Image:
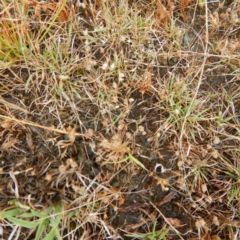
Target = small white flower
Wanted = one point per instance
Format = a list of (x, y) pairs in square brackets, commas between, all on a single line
[(114, 85), (177, 111), (85, 32), (122, 38), (105, 66), (112, 67), (63, 77), (121, 77)]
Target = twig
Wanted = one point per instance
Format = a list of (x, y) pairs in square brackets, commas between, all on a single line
[(43, 127)]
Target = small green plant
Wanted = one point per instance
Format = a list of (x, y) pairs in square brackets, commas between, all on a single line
[(178, 105), (201, 3), (233, 193), (199, 175), (46, 223), (16, 39)]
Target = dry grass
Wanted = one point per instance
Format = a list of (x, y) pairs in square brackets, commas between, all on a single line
[(119, 119)]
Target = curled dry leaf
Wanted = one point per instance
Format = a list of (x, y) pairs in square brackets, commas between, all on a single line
[(147, 78), (215, 220), (71, 134)]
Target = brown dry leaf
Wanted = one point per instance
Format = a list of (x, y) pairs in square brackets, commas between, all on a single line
[(147, 78), (215, 237), (167, 199), (174, 222), (184, 4), (29, 141), (63, 15), (121, 200), (132, 227), (105, 122), (104, 196), (5, 124), (163, 14)]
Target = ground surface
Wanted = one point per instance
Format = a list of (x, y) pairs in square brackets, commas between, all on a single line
[(119, 119)]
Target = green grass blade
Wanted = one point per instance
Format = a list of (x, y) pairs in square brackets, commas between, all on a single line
[(38, 214), (23, 223), (27, 215), (138, 236), (10, 213), (51, 235), (137, 161), (54, 19), (55, 224), (41, 227), (71, 214)]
